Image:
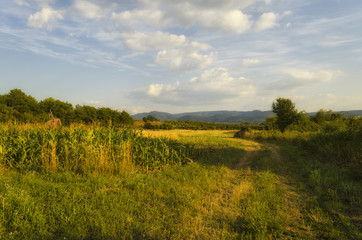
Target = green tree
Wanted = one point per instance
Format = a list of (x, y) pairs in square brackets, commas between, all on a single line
[(107, 115), (271, 123), (150, 118), (148, 125), (85, 114), (125, 118), (26, 107), (303, 123), (62, 110), (7, 113), (285, 111), (3, 99)]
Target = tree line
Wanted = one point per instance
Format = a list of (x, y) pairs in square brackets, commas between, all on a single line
[(20, 107), (191, 125), (287, 118)]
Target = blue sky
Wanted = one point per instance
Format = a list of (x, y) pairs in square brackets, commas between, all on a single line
[(181, 56)]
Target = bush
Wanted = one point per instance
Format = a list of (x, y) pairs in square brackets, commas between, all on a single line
[(341, 148)]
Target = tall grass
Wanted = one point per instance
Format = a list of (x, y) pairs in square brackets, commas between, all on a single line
[(86, 149), (287, 136), (341, 148)]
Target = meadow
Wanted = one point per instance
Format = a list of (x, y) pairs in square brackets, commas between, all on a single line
[(92, 182)]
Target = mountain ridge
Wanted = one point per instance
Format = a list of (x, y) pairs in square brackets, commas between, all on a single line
[(223, 116)]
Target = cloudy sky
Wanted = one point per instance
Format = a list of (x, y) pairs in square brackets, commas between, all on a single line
[(181, 56)]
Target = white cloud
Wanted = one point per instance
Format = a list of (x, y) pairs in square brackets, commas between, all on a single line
[(44, 3), (212, 87), (313, 103), (22, 3), (147, 16), (88, 9), (287, 13), (154, 41), (319, 76), (266, 21), (44, 18), (175, 52), (250, 61), (294, 78), (186, 58), (202, 4), (93, 102), (219, 80), (224, 15), (233, 21), (155, 90)]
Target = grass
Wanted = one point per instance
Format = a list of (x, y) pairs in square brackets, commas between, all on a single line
[(233, 189)]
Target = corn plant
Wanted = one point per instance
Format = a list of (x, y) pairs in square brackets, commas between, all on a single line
[(86, 149)]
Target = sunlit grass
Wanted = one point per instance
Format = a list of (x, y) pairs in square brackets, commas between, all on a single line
[(177, 134), (86, 149), (233, 189)]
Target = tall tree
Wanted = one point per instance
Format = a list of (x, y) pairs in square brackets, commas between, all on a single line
[(285, 111), (26, 107), (85, 114), (125, 118), (107, 115), (62, 110)]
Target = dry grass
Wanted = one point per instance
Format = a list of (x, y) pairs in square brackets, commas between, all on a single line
[(177, 134)]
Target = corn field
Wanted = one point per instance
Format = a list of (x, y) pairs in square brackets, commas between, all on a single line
[(86, 149)]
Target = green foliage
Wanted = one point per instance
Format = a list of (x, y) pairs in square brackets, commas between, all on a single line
[(303, 123), (22, 107), (88, 150), (125, 118), (148, 125), (166, 126), (150, 118), (340, 148), (7, 113), (338, 143), (107, 116), (323, 116), (329, 196), (275, 191), (59, 109), (17, 106), (21, 102), (86, 114), (285, 112), (194, 125), (271, 123)]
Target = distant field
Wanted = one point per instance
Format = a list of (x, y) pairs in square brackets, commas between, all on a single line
[(231, 188), (178, 134)]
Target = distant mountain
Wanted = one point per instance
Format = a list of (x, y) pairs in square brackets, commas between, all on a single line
[(353, 113), (255, 116), (350, 113), (211, 116)]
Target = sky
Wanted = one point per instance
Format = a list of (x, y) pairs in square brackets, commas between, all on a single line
[(184, 56)]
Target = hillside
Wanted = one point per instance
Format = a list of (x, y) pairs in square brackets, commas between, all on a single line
[(255, 116), (211, 116)]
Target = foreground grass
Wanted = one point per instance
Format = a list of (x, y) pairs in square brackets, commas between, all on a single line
[(235, 189), (176, 203)]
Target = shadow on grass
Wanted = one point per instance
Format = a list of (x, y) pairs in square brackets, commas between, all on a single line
[(327, 199), (231, 157)]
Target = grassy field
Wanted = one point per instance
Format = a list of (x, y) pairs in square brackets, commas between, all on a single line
[(232, 189)]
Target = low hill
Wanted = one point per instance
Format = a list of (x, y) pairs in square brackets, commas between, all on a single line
[(211, 116), (255, 116)]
